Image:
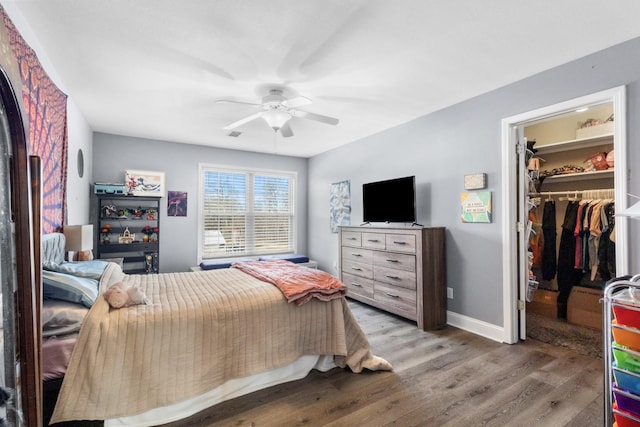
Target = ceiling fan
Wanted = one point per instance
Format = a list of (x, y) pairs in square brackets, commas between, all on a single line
[(277, 110)]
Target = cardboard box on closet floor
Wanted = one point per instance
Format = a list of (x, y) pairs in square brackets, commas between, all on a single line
[(584, 306)]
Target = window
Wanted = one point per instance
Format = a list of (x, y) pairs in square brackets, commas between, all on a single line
[(245, 212)]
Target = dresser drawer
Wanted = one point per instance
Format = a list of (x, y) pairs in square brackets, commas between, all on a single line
[(401, 242), (403, 300), (352, 238), (357, 269), (405, 279), (358, 285), (397, 261), (363, 256), (373, 240)]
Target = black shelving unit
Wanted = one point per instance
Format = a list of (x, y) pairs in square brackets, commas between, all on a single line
[(120, 221)]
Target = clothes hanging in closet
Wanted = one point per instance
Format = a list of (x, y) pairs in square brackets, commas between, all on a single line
[(586, 252), (549, 236), (567, 275), (536, 240), (606, 246)]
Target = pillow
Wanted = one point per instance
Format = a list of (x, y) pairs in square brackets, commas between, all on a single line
[(213, 264), (52, 248), (92, 269), (65, 287), (295, 258), (61, 317)]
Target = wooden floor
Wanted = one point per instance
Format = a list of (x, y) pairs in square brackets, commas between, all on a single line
[(441, 378)]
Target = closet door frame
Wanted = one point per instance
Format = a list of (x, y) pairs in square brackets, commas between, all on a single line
[(512, 277), (25, 369)]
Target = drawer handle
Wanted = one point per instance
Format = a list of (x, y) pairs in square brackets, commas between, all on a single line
[(351, 238), (356, 284), (358, 255), (373, 240), (392, 260), (356, 268), (399, 243), (392, 277), (392, 295)]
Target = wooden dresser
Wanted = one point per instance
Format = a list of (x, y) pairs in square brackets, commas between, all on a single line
[(401, 270)]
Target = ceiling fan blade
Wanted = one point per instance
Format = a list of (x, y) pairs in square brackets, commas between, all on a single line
[(243, 121), (286, 131), (298, 101), (313, 116), (230, 101)]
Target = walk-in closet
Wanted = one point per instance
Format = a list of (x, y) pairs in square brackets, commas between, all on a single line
[(570, 161)]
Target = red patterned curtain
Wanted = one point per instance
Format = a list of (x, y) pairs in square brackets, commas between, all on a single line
[(46, 108)]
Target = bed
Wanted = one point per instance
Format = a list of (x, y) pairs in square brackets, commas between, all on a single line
[(204, 337), (67, 296)]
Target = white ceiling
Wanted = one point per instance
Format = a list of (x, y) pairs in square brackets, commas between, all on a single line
[(154, 68)]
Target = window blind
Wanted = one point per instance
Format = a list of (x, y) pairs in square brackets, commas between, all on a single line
[(246, 213)]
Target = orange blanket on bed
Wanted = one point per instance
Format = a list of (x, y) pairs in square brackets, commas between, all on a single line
[(298, 284)]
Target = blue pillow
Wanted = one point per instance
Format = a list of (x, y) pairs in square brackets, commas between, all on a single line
[(213, 264), (92, 269), (295, 258), (65, 287)]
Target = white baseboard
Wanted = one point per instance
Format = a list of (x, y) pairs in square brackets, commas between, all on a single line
[(476, 326)]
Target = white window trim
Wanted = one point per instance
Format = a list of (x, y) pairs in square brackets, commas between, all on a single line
[(232, 168)]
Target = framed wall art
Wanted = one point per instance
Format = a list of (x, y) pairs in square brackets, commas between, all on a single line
[(177, 203), (476, 181), (340, 205), (476, 206), (144, 183)]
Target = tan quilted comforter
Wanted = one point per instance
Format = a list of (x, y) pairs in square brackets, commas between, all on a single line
[(200, 330)]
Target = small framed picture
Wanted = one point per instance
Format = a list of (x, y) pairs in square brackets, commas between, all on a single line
[(144, 183), (476, 181), (476, 206)]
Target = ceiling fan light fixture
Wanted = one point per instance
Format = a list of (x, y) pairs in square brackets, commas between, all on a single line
[(276, 118)]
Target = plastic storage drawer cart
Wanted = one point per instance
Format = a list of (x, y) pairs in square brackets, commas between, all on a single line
[(621, 330)]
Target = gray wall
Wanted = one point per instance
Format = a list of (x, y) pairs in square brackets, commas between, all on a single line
[(440, 148), (113, 154)]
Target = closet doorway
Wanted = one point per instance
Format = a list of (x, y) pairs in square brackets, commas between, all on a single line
[(554, 129)]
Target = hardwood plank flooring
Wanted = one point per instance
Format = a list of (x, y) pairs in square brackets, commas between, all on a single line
[(447, 377)]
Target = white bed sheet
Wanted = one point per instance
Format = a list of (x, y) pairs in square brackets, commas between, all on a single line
[(229, 390)]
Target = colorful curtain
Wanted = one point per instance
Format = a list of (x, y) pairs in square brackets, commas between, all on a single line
[(46, 108)]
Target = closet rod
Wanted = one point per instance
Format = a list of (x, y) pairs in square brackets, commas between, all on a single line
[(569, 192)]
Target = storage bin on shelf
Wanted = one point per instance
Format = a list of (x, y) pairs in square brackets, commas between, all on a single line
[(627, 380), (626, 308), (627, 402), (626, 359), (625, 336), (623, 418)]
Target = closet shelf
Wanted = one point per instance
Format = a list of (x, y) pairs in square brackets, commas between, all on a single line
[(575, 144), (579, 176)]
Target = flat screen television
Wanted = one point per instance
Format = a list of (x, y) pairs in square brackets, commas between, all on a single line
[(392, 200)]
